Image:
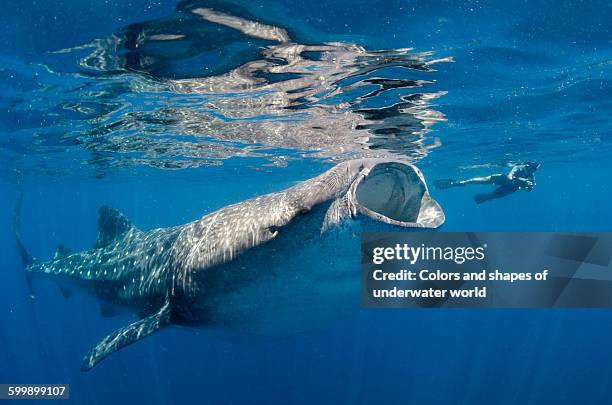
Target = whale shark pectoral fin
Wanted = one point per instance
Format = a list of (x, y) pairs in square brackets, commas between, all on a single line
[(112, 226), (342, 208), (127, 335)]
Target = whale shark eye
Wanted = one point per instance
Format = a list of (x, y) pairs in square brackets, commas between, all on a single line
[(273, 229), (303, 211)]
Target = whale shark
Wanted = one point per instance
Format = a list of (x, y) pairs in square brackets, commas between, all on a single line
[(238, 265)]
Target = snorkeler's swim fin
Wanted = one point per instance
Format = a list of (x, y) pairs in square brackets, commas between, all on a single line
[(444, 183)]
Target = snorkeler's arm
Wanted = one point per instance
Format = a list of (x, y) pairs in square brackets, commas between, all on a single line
[(498, 179), (476, 180), (492, 179)]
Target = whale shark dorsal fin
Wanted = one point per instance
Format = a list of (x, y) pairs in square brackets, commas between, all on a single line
[(126, 336), (112, 226), (61, 251)]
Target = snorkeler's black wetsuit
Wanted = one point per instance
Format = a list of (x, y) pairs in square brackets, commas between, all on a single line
[(520, 177)]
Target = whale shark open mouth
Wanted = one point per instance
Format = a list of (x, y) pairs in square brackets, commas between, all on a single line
[(396, 193)]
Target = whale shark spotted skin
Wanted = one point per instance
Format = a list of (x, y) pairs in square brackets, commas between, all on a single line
[(208, 272)]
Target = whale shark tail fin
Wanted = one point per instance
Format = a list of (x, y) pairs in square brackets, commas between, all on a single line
[(26, 258), (126, 336)]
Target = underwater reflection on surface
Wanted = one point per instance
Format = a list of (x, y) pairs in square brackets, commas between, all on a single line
[(203, 85)]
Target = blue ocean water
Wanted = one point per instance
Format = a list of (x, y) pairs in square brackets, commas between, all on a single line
[(166, 113)]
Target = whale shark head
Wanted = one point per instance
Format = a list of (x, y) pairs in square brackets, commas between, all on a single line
[(391, 192)]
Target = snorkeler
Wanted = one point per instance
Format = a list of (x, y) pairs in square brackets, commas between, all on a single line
[(520, 177)]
